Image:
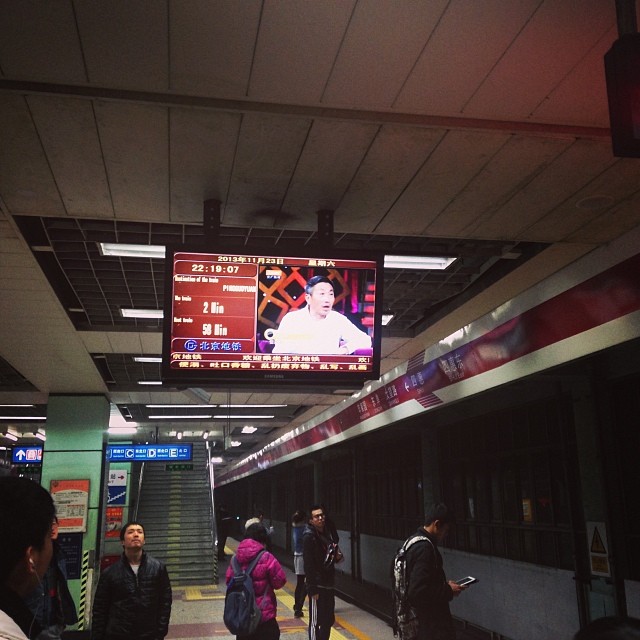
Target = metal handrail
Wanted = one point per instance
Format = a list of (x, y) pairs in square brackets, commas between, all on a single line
[(135, 512), (214, 527)]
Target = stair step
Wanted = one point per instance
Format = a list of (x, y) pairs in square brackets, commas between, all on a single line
[(175, 508)]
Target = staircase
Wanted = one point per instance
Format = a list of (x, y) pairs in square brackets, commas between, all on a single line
[(174, 508)]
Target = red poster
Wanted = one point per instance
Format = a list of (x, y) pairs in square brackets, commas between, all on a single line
[(114, 521), (72, 501)]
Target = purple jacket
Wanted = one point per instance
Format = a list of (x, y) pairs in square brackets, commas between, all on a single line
[(267, 576)]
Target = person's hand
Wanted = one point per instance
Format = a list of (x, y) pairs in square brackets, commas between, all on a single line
[(456, 588), (339, 555)]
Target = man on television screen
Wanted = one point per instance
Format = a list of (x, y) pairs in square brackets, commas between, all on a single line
[(317, 328)]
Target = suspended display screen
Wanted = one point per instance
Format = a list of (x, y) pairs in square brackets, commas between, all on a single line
[(271, 318)]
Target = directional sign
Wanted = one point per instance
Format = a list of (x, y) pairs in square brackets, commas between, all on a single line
[(180, 467), (28, 455), (149, 452), (117, 486)]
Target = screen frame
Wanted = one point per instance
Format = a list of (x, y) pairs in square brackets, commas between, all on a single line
[(268, 379)]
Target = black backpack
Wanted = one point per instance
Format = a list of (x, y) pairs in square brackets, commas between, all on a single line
[(242, 615), (403, 616)]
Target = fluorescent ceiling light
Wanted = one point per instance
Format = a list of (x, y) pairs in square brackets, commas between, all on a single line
[(17, 405), (131, 250), (179, 435), (250, 406), (217, 460), (144, 314), (147, 359), (387, 318), (183, 417), (205, 434), (417, 262), (180, 406), (223, 416), (235, 443), (40, 436), (249, 429), (10, 436), (41, 418), (149, 381)]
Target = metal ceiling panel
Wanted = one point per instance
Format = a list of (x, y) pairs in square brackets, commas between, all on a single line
[(30, 186), (135, 146), (67, 130), (125, 44), (212, 46), (371, 68), (302, 38), (386, 170), (555, 40), (268, 151), (515, 164), (330, 158), (555, 182), (471, 36), (202, 148), (580, 98), (618, 182), (40, 42), (441, 178)]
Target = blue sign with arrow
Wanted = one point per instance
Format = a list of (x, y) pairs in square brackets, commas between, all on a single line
[(26, 455)]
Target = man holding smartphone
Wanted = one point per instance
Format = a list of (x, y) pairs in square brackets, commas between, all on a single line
[(429, 592)]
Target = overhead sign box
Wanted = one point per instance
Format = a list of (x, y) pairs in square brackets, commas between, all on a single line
[(149, 452), (27, 455)]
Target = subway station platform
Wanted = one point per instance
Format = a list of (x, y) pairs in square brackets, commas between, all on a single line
[(197, 613)]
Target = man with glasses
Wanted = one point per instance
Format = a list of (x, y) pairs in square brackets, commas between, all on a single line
[(320, 553)]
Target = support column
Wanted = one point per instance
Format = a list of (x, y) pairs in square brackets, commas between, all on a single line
[(598, 590), (74, 450)]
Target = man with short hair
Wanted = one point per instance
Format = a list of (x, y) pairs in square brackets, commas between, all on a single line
[(317, 328), (429, 592), (320, 553), (133, 597), (26, 515)]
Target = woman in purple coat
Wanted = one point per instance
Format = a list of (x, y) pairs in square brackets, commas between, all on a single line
[(267, 576)]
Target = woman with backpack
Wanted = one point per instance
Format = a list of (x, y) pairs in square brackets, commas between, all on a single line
[(266, 576)]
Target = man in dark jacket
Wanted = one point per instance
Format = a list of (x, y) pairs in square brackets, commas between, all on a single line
[(51, 603), (429, 592), (133, 597), (320, 552)]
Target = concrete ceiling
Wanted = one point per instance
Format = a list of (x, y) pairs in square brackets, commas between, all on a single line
[(471, 124)]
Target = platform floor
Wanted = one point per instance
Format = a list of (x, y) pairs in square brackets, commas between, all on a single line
[(196, 614)]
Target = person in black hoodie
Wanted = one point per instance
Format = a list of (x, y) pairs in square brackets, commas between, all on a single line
[(51, 603), (133, 597), (26, 515), (429, 592), (320, 553)]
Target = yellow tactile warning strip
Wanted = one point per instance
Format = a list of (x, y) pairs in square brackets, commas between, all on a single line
[(287, 623)]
